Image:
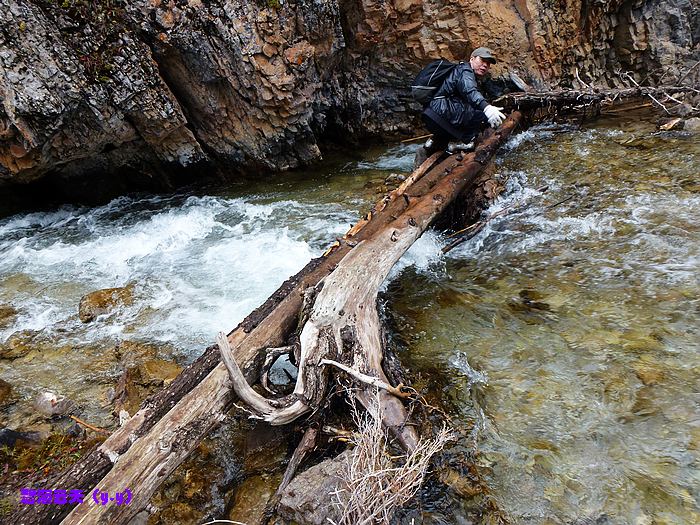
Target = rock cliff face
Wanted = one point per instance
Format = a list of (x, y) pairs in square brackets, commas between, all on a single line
[(141, 89)]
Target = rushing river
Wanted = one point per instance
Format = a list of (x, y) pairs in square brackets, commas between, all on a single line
[(566, 332)]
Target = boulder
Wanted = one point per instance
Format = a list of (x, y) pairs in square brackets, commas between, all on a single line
[(104, 301), (692, 124), (307, 498)]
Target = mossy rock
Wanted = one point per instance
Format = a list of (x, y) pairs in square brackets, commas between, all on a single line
[(104, 301)]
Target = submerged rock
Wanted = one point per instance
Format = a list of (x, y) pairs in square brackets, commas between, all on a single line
[(18, 344), (178, 513), (104, 301), (463, 485), (8, 314), (193, 490), (138, 382), (5, 391), (251, 498), (131, 353)]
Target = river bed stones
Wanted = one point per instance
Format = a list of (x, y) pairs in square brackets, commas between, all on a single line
[(104, 301), (19, 344), (24, 342)]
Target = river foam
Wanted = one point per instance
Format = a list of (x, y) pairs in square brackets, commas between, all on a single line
[(199, 264)]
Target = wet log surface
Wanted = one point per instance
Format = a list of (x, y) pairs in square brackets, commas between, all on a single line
[(142, 453)]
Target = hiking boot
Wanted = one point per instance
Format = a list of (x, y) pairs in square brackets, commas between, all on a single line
[(454, 147)]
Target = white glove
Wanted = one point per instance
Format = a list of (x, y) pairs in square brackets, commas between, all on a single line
[(494, 115)]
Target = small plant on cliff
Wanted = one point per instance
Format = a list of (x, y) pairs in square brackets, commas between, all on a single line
[(101, 22)]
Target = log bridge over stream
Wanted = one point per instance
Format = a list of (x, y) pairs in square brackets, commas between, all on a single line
[(325, 316)]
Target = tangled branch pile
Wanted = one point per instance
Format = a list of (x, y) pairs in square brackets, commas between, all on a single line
[(681, 97), (375, 484)]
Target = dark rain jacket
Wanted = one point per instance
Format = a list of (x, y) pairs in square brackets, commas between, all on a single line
[(457, 100)]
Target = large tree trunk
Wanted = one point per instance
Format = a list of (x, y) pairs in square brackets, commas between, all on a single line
[(159, 437), (278, 314)]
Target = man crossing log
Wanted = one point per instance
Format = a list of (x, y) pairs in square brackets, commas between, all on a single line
[(342, 331)]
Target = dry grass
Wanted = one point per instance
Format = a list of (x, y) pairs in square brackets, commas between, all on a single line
[(374, 483)]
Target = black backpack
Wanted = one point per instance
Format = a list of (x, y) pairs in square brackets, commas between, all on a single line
[(430, 79)]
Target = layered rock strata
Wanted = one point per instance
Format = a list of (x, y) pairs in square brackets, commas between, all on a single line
[(143, 89)]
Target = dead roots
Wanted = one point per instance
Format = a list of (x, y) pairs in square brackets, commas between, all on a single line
[(374, 484)]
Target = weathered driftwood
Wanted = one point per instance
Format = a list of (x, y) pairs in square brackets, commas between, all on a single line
[(280, 313), (158, 438), (575, 99), (344, 323)]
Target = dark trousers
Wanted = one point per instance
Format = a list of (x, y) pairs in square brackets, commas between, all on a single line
[(442, 137)]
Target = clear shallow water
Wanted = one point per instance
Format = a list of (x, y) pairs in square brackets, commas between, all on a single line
[(569, 334), (585, 320)]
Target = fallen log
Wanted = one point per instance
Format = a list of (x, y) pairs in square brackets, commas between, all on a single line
[(158, 438), (279, 311), (577, 99)]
